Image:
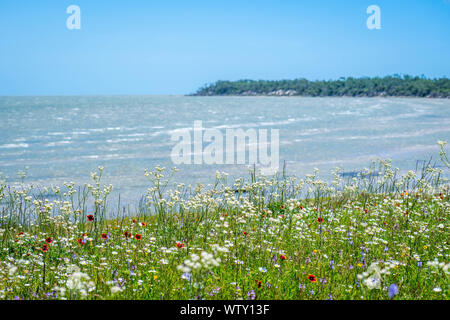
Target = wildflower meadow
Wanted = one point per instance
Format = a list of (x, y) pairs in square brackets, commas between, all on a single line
[(378, 235)]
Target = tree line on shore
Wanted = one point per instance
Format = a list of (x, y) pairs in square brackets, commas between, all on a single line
[(395, 86)]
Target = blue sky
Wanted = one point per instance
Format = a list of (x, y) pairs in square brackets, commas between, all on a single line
[(174, 47)]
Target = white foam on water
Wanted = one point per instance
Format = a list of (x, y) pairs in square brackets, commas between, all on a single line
[(58, 143), (56, 133), (14, 145), (124, 140), (132, 135)]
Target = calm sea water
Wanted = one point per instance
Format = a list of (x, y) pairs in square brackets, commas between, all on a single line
[(64, 138)]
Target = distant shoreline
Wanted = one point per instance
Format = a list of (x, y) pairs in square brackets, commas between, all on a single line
[(196, 95), (389, 86), (304, 96)]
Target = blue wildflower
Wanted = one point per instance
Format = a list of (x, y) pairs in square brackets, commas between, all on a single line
[(186, 276), (393, 290)]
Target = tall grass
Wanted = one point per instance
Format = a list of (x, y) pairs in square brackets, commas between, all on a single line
[(378, 235)]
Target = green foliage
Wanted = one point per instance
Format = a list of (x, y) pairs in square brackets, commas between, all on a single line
[(353, 87)]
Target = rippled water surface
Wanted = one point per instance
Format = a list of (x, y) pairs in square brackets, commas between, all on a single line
[(64, 138)]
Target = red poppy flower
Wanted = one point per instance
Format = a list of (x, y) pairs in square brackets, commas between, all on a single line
[(143, 224), (127, 235), (301, 207), (104, 236), (44, 247), (81, 241), (312, 278), (90, 217), (20, 234), (319, 219), (137, 236), (134, 221), (258, 283), (283, 257), (282, 207), (245, 233), (180, 245), (49, 240), (365, 210)]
